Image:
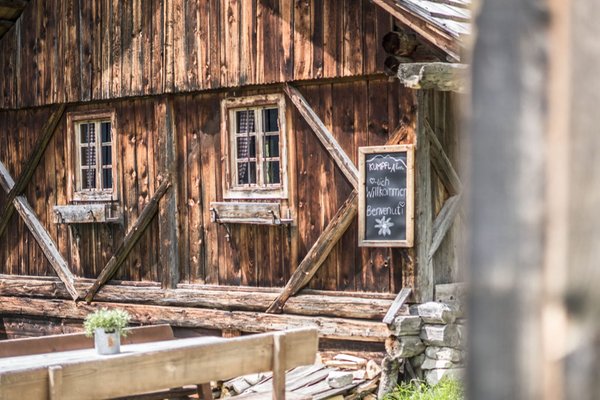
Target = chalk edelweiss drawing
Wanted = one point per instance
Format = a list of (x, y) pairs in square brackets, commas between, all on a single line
[(384, 225)]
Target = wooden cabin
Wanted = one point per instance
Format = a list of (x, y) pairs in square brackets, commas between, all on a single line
[(195, 162)]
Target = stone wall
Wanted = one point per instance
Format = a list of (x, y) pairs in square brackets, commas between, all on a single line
[(428, 344)]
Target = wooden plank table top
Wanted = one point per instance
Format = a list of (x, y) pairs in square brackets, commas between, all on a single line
[(43, 361)]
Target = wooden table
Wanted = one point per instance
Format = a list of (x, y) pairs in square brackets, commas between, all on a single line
[(140, 368)]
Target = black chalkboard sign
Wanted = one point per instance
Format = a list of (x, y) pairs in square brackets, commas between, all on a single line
[(386, 196)]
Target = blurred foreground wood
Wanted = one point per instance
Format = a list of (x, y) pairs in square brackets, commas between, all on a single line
[(535, 188)]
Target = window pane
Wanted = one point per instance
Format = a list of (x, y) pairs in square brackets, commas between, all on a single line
[(105, 132), (88, 156), (246, 173), (107, 178), (88, 133), (246, 146), (88, 178), (106, 155), (272, 172), (245, 121), (83, 129), (272, 146), (270, 120)]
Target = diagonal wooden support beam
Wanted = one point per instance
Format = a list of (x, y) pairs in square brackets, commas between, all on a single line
[(443, 222), (40, 234), (396, 305), (318, 252), (129, 241), (331, 145), (31, 165), (441, 163)]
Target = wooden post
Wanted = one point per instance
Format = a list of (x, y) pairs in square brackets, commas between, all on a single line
[(279, 366), (55, 382), (424, 280), (507, 144), (168, 220)]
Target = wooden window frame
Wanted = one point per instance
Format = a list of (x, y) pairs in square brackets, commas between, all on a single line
[(75, 193), (260, 190)]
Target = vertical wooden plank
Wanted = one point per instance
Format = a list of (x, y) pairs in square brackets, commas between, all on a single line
[(384, 24), (127, 43), (169, 46), (193, 37), (151, 136), (230, 57), (97, 29), (194, 201), (106, 54), (85, 41), (352, 43), (286, 47), (116, 48), (215, 40), (210, 149), (183, 223), (332, 34), (248, 41), (263, 256), (58, 73), (202, 38), (156, 45), (261, 18), (141, 148), (272, 40), (180, 50), (303, 51), (136, 46), (168, 229), (317, 30), (369, 37)]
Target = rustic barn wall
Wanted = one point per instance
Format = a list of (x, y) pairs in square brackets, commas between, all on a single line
[(69, 50), (359, 112)]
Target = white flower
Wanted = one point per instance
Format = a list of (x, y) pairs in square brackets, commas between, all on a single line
[(384, 225)]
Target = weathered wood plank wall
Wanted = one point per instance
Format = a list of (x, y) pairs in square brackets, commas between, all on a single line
[(69, 51), (360, 112)]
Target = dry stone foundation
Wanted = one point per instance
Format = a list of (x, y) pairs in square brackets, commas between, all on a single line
[(432, 339)]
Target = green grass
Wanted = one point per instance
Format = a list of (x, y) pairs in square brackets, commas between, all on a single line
[(447, 389)]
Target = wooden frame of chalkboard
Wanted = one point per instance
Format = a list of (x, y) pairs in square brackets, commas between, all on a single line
[(386, 196)]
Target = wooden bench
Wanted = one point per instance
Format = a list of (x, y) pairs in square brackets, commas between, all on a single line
[(154, 366)]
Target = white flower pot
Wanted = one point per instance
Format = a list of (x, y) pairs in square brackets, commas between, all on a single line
[(107, 343)]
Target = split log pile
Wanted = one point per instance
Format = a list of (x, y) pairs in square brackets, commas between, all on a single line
[(342, 377), (427, 344)]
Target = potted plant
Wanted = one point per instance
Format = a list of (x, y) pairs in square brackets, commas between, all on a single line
[(107, 327)]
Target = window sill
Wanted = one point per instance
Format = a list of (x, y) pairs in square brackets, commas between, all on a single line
[(87, 214), (247, 213)]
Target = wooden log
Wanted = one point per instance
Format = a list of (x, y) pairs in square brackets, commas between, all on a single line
[(318, 252), (399, 43), (434, 75), (331, 328), (443, 222), (129, 241), (391, 64), (331, 145), (30, 165), (397, 305), (434, 35), (336, 304), (441, 163)]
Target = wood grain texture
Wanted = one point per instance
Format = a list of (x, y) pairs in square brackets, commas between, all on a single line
[(114, 49)]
